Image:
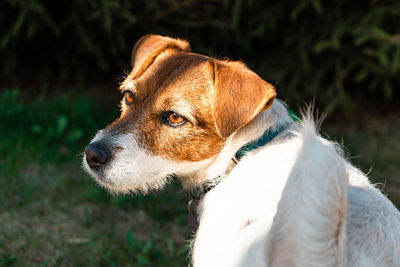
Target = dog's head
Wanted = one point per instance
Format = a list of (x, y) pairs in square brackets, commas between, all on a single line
[(178, 109)]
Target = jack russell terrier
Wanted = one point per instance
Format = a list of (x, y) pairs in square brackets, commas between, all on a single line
[(270, 191)]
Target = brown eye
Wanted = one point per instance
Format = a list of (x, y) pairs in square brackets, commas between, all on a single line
[(173, 119), (129, 97)]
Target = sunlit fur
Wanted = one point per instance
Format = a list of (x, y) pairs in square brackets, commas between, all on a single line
[(296, 202), (293, 202), (133, 169)]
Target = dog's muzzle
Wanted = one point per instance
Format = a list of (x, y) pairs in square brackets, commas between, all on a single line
[(97, 154)]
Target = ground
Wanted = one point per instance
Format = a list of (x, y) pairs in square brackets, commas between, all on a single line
[(53, 214)]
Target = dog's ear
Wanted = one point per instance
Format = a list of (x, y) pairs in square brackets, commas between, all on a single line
[(148, 47), (239, 95)]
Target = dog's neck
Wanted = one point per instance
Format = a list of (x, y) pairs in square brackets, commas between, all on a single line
[(272, 119)]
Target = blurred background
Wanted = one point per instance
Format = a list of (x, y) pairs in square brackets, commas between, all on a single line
[(61, 62)]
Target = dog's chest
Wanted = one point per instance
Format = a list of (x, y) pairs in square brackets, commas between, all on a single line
[(250, 193), (253, 188)]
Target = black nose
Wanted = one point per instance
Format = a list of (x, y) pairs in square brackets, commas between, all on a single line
[(97, 154)]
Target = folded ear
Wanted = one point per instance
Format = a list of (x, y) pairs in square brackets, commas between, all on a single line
[(239, 95), (148, 47)]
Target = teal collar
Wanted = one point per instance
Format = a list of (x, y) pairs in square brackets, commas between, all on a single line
[(264, 139)]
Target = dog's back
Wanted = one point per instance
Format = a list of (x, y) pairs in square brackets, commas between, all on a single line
[(329, 214), (335, 212), (373, 225), (310, 223)]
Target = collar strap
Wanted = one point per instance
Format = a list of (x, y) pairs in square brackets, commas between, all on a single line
[(264, 139), (199, 193)]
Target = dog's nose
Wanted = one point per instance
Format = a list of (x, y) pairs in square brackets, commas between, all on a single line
[(97, 154)]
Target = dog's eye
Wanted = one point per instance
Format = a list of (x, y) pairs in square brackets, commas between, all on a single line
[(129, 97), (173, 119)]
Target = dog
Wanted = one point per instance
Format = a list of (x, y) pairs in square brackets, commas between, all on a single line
[(268, 190)]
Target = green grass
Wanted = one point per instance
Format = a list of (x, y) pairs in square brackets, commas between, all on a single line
[(48, 129), (53, 214)]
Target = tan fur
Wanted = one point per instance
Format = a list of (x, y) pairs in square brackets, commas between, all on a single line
[(240, 95), (149, 47), (295, 201), (166, 77)]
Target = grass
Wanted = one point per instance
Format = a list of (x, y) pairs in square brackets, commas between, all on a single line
[(53, 214)]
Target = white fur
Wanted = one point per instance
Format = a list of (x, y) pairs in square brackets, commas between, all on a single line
[(294, 202), (134, 169)]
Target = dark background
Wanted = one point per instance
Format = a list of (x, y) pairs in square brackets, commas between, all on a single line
[(61, 62), (333, 51)]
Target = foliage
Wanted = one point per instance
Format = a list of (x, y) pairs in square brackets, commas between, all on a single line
[(52, 130), (324, 49)]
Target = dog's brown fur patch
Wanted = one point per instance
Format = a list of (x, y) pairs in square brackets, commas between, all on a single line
[(216, 98)]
